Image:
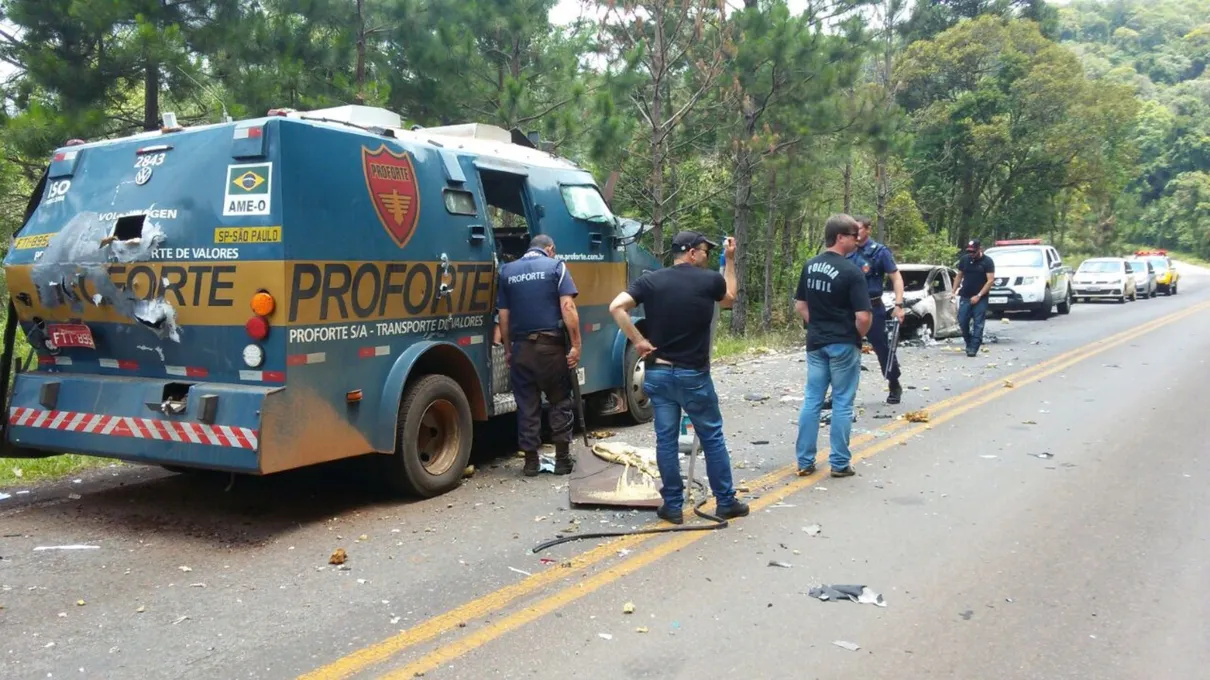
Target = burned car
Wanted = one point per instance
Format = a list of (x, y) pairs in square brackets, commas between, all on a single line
[(929, 302)]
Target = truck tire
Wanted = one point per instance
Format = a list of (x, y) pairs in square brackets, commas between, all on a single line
[(1065, 305), (1043, 312), (638, 404), (433, 440)]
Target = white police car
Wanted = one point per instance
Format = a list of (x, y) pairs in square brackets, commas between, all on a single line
[(1030, 276)]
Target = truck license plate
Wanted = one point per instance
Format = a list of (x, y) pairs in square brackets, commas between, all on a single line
[(998, 300), (70, 335)]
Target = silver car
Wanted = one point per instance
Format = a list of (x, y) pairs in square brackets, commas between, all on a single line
[(1104, 278), (1144, 277)]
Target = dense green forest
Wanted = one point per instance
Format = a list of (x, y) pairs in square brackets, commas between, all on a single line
[(1086, 123)]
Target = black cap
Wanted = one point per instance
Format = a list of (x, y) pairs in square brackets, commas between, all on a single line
[(973, 245), (687, 240)]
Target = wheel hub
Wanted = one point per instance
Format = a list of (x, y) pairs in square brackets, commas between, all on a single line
[(636, 383), (437, 437)]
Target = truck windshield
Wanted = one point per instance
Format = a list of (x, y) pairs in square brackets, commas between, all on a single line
[(585, 202), (1016, 258)]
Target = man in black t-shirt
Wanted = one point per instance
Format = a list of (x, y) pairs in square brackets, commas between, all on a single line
[(833, 299), (976, 272), (678, 309)]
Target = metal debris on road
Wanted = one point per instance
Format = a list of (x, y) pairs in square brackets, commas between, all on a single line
[(628, 608), (1045, 455), (67, 547), (916, 416), (852, 647), (605, 636), (520, 571), (641, 629), (1008, 384), (783, 565), (338, 556), (602, 434), (185, 568), (858, 594), (180, 620), (990, 456), (760, 442), (812, 530)]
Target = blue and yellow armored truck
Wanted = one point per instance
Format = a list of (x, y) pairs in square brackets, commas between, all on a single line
[(266, 294)]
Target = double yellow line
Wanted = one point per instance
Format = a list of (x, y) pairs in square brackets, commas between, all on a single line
[(900, 431)]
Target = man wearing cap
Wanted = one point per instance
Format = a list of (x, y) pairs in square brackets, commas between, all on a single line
[(976, 272), (833, 300), (876, 263), (536, 301), (678, 309)]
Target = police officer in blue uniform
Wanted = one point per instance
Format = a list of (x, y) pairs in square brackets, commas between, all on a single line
[(536, 302), (876, 262)]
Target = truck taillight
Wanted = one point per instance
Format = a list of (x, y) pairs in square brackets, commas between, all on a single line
[(262, 305), (258, 328)]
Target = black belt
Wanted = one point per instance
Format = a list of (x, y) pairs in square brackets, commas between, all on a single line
[(876, 301), (544, 338)]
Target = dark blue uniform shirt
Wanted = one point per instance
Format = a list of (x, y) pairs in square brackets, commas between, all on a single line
[(875, 262), (530, 288)]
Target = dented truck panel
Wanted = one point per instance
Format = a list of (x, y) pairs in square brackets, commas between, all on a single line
[(134, 277)]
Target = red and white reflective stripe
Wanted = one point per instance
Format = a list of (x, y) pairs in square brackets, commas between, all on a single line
[(66, 155), (139, 428), (46, 360), (468, 340), (371, 352), (122, 364), (304, 359), (263, 376), (592, 327), (250, 132), (187, 371)]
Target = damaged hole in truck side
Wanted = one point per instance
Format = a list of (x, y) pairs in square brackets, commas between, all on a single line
[(173, 400), (129, 228)]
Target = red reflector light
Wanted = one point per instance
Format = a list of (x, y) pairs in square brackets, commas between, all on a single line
[(258, 328), (464, 341)]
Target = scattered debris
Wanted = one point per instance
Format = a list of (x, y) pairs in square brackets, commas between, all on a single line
[(782, 565), (1008, 384), (469, 471), (641, 629), (141, 609), (780, 504), (858, 594), (67, 547), (79, 603), (185, 568), (791, 398), (756, 397), (520, 571), (812, 530), (760, 442), (1045, 455), (966, 615), (605, 636), (602, 434), (917, 416), (989, 456), (5, 496), (1029, 422), (628, 608), (852, 647), (338, 556)]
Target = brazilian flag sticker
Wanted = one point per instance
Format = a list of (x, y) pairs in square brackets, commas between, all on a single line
[(248, 190)]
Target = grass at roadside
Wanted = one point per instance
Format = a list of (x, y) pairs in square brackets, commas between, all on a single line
[(728, 346), (18, 471)]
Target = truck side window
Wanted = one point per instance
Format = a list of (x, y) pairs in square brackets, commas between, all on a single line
[(459, 202), (506, 210), (584, 202)]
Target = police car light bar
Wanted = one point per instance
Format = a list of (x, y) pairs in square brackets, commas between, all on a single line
[(1021, 242), (1163, 253)]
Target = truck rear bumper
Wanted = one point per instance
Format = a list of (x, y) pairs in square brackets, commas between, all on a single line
[(113, 417)]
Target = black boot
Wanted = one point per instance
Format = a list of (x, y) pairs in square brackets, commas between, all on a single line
[(896, 393), (531, 464), (563, 461)]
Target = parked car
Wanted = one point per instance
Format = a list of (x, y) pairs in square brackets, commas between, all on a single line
[(1029, 276), (1105, 278), (1167, 277), (1145, 283), (929, 303)]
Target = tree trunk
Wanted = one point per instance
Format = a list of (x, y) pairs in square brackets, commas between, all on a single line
[(360, 97), (766, 317), (657, 133), (848, 185), (151, 96), (882, 189), (743, 209)]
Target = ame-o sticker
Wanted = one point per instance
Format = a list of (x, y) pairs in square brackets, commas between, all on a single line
[(248, 190), (391, 181)]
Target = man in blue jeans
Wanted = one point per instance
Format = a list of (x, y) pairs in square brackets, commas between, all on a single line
[(976, 272), (833, 299), (678, 308)]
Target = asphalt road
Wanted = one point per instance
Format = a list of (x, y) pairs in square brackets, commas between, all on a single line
[(1056, 528)]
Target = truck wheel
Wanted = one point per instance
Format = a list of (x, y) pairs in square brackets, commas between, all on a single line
[(433, 441), (638, 404), (1065, 305), (1043, 312)]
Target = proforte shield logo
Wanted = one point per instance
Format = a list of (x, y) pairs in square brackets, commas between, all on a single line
[(391, 181)]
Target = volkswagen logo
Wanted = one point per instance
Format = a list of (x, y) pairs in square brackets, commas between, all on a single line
[(143, 176)]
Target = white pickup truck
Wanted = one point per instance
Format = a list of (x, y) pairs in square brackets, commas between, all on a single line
[(1030, 276)]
